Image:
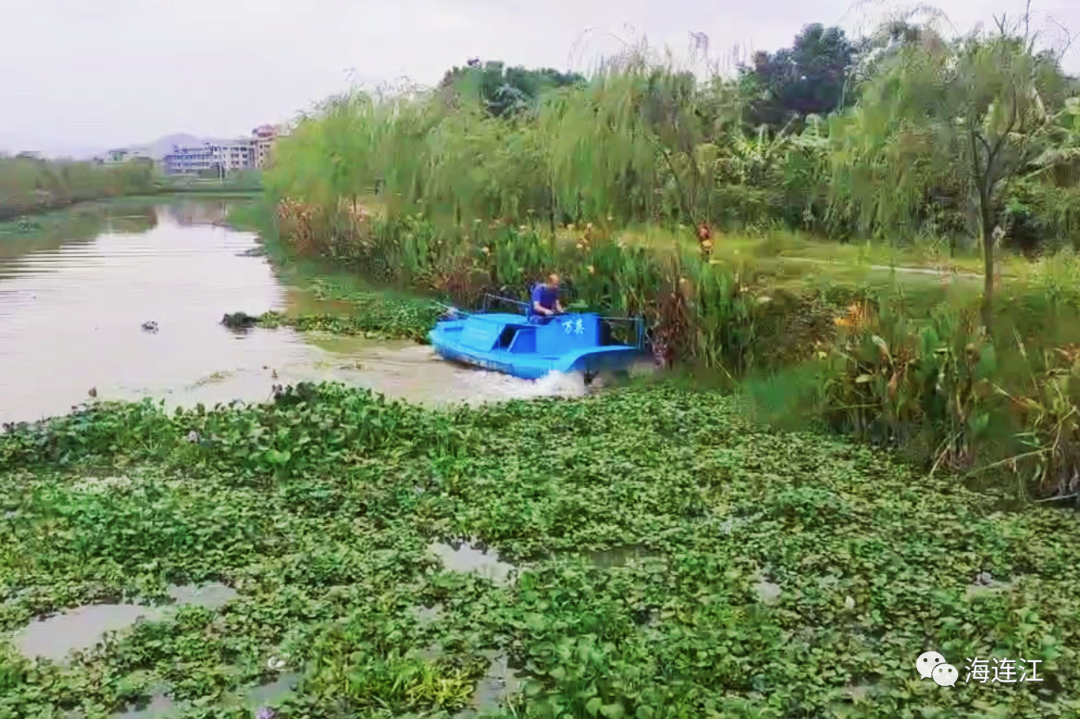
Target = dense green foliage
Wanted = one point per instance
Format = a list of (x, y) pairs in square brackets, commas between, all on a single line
[(375, 316), (809, 78), (500, 90), (930, 143), (645, 141), (320, 506), (29, 185)]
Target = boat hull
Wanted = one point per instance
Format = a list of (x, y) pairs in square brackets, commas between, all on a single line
[(482, 342)]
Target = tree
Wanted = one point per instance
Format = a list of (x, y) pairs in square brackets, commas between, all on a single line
[(971, 111), (504, 91), (806, 79)]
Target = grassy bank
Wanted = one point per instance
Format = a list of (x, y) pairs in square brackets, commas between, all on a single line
[(672, 560), (29, 186), (359, 305), (79, 223), (898, 360), (84, 220), (237, 181)]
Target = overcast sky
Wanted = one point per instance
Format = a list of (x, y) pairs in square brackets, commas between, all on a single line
[(79, 75)]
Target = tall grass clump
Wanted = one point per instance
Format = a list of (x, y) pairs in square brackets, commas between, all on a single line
[(937, 386), (31, 185)]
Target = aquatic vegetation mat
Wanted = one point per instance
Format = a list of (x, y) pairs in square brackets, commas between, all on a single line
[(643, 553), (376, 318)]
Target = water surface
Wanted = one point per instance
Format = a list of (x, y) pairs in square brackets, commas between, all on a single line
[(73, 302), (466, 557), (83, 627)]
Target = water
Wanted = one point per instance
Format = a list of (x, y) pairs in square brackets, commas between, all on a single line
[(161, 706), (83, 627), (273, 692), (73, 301), (428, 615), (464, 557), (499, 683), (768, 592)]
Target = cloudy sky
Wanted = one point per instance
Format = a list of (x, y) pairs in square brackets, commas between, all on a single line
[(81, 75)]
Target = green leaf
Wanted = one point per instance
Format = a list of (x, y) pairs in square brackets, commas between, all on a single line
[(593, 705), (613, 711)]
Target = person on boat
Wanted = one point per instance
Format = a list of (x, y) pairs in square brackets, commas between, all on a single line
[(545, 300)]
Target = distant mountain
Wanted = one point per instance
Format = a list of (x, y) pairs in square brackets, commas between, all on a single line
[(157, 149), (163, 146)]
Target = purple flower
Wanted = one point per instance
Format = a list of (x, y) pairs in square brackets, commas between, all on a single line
[(264, 713)]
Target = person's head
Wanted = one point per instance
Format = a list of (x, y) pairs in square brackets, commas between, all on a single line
[(553, 280)]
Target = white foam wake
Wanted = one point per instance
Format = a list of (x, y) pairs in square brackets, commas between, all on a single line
[(554, 384)]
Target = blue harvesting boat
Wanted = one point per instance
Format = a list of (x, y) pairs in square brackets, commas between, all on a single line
[(511, 344)]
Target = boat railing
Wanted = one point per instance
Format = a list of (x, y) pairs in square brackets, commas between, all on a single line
[(489, 299), (637, 322)]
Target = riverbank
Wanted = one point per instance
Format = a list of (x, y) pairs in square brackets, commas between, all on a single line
[(30, 186), (85, 218), (658, 556), (828, 346), (359, 306)]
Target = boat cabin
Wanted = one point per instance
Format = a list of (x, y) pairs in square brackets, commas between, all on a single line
[(514, 334)]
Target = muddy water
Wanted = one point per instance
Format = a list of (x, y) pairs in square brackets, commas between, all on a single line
[(82, 627), (72, 306)]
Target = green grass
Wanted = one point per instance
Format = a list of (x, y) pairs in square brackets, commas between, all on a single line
[(319, 508)]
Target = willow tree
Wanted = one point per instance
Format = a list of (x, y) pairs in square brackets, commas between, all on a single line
[(639, 130), (966, 112)]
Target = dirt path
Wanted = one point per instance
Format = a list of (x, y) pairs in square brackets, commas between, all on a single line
[(887, 268)]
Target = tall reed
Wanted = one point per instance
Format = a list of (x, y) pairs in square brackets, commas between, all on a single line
[(30, 185)]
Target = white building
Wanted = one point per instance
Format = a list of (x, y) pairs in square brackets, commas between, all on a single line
[(121, 155), (221, 155), (264, 139), (225, 155)]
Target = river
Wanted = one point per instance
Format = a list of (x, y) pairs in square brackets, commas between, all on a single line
[(73, 301)]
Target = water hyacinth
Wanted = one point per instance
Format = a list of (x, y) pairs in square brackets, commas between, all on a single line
[(331, 577)]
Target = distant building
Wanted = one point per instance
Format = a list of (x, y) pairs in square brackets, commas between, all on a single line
[(221, 155), (124, 154), (264, 139), (29, 155), (224, 155)]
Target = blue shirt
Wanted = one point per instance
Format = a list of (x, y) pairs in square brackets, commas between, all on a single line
[(546, 296)]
